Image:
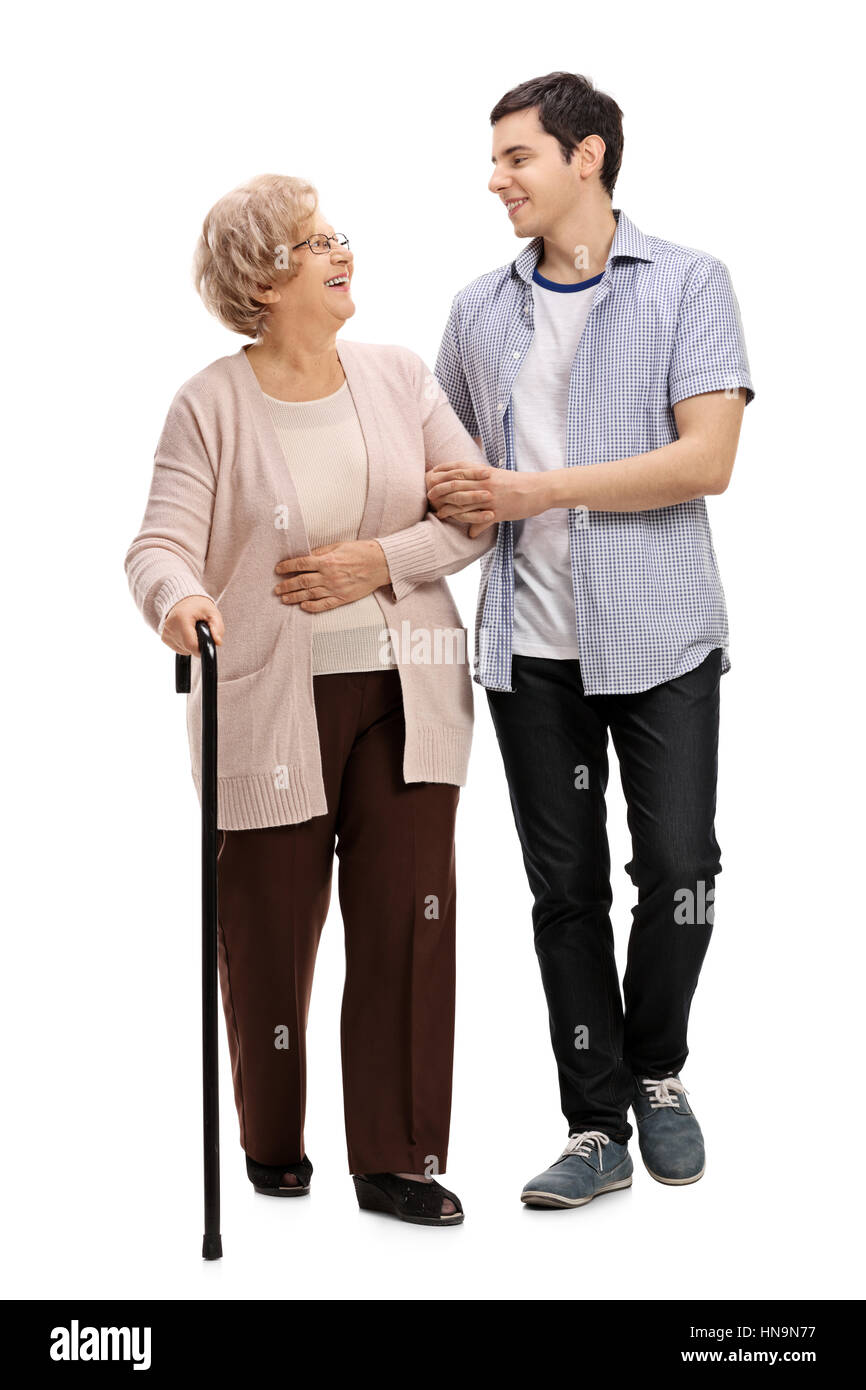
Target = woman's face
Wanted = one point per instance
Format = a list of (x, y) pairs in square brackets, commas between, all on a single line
[(322, 289)]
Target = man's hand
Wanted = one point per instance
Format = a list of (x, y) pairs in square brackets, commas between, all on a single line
[(332, 575), (484, 496)]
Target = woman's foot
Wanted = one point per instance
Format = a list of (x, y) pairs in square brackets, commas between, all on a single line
[(408, 1196), (280, 1180), (448, 1207)]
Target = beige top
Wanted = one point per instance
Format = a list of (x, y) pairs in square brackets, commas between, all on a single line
[(326, 455)]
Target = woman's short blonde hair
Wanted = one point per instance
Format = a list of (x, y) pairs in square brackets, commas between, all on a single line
[(245, 244)]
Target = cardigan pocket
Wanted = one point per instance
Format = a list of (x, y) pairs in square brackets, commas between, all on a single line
[(245, 744)]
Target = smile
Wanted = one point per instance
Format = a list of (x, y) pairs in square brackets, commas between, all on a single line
[(514, 204), (339, 282)]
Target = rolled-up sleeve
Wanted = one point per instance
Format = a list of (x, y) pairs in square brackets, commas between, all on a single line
[(709, 352)]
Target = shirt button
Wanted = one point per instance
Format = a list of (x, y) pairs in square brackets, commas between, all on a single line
[(502, 463), (515, 355), (499, 405)]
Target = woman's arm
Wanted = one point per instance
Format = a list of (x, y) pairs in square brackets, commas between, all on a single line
[(432, 548), (428, 550), (165, 562)]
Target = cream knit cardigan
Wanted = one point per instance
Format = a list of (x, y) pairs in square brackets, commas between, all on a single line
[(223, 511)]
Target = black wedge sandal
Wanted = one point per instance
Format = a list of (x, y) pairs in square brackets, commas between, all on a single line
[(267, 1180), (418, 1202)]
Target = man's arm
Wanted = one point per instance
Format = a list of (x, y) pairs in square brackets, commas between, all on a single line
[(697, 464), (709, 385)]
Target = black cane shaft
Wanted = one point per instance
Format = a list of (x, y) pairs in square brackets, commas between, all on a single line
[(212, 1244), (212, 1247)]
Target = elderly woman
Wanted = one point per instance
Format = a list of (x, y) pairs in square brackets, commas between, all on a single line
[(288, 509)]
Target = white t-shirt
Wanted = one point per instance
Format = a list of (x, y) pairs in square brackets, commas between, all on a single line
[(544, 619)]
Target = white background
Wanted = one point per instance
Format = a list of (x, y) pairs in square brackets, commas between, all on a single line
[(122, 127)]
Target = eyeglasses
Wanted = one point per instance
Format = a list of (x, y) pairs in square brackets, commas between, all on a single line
[(321, 245)]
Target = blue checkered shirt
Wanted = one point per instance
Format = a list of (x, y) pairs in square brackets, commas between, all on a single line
[(664, 325)]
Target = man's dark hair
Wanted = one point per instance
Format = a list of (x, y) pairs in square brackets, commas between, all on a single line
[(570, 108)]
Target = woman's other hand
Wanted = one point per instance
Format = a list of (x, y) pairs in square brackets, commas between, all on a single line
[(179, 630), (332, 575)]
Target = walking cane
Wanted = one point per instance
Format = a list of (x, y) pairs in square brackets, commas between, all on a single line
[(212, 1246)]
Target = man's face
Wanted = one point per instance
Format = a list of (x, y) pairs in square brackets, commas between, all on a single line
[(530, 177)]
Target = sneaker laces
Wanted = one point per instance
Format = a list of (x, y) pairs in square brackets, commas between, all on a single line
[(664, 1092), (581, 1144)]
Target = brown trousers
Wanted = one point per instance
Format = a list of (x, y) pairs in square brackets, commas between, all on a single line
[(395, 845)]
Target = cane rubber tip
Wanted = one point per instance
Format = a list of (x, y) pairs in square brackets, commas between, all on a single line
[(212, 1248)]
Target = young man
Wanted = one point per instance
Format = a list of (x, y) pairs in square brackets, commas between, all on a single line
[(605, 376)]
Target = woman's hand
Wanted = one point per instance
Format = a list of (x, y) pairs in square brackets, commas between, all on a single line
[(179, 629), (332, 575)]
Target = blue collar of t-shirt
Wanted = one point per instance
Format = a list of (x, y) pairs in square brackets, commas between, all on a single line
[(565, 289)]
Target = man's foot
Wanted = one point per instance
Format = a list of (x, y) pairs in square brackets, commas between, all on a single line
[(670, 1139), (591, 1163)]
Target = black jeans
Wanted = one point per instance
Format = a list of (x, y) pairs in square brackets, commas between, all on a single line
[(553, 741)]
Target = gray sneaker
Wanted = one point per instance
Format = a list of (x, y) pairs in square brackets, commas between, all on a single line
[(590, 1163), (670, 1139)]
